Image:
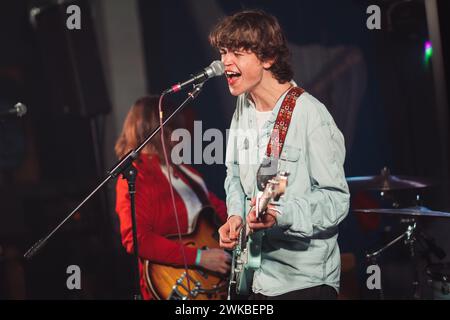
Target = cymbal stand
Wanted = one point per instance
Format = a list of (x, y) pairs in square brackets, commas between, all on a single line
[(410, 240)]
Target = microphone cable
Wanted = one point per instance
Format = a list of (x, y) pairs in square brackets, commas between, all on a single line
[(172, 195)]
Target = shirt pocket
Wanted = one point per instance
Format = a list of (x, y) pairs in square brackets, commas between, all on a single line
[(290, 159)]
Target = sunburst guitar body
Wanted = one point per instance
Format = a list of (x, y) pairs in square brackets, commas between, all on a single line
[(167, 282)]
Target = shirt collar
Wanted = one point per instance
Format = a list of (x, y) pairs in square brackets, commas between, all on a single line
[(277, 107)]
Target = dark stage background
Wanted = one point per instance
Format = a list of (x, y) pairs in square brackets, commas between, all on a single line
[(79, 84)]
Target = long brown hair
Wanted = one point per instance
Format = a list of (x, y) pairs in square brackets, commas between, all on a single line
[(140, 121)]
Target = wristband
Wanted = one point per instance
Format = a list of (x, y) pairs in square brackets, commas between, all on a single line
[(199, 256)]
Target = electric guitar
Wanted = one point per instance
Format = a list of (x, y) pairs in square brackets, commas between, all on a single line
[(167, 282), (247, 253)]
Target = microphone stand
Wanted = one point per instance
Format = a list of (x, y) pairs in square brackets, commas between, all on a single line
[(123, 166)]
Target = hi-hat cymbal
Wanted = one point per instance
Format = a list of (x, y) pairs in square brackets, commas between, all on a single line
[(418, 211), (386, 182)]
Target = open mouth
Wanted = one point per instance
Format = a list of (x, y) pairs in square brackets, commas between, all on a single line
[(231, 74), (232, 77)]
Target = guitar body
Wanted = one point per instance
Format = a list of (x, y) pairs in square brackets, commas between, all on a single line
[(168, 282), (247, 253), (251, 262)]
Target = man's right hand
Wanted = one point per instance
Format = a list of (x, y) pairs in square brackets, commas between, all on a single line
[(229, 232)]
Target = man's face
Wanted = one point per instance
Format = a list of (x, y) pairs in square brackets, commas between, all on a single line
[(243, 69)]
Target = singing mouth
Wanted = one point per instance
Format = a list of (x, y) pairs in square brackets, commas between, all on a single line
[(232, 74)]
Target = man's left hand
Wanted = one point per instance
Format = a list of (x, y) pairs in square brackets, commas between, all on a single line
[(267, 220)]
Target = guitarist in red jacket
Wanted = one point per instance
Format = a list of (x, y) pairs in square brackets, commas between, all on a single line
[(154, 210)]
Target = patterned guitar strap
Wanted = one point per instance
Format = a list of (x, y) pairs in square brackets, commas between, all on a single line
[(269, 165)]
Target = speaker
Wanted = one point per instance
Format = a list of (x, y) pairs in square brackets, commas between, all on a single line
[(71, 59)]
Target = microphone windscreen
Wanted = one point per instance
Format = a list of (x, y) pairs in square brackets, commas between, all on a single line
[(217, 68)]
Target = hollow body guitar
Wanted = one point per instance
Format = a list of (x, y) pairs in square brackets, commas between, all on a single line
[(247, 253), (168, 282)]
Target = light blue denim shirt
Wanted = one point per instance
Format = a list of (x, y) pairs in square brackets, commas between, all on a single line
[(301, 250)]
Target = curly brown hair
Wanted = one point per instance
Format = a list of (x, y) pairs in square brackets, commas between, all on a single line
[(259, 32)]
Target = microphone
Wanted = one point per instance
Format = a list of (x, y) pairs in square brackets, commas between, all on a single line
[(18, 110), (216, 68)]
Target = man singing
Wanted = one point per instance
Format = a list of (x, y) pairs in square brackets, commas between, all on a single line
[(300, 256)]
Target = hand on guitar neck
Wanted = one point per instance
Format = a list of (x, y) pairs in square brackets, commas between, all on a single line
[(262, 214), (264, 221)]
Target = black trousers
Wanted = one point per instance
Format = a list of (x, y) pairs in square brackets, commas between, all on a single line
[(322, 292)]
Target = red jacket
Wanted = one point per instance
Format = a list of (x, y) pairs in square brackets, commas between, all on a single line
[(154, 213)]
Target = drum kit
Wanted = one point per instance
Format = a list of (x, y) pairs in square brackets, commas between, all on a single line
[(438, 274)]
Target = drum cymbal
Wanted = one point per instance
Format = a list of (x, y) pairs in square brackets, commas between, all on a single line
[(418, 211), (386, 182)]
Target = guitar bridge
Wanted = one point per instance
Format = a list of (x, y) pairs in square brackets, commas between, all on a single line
[(176, 294)]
